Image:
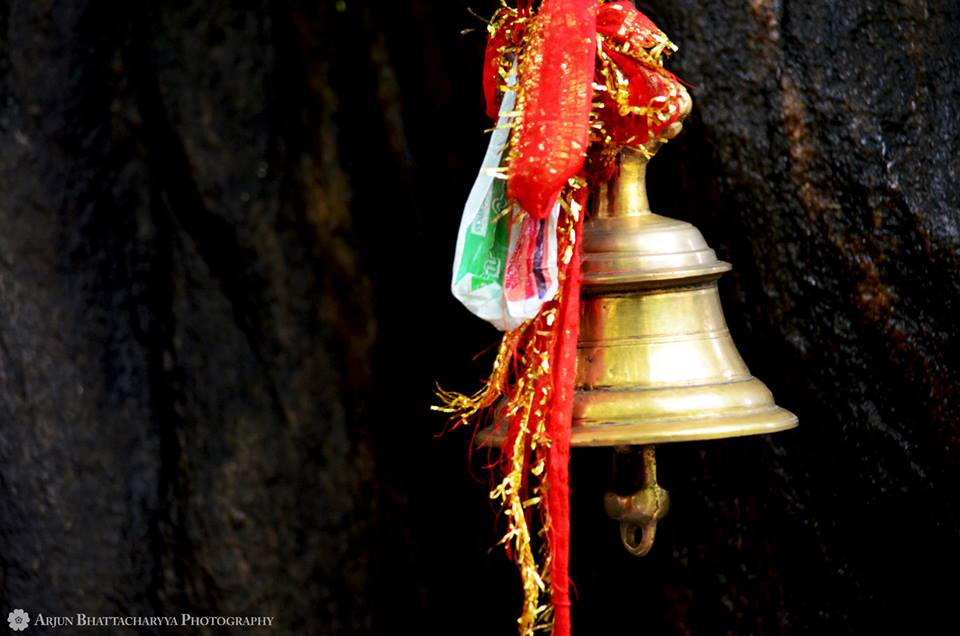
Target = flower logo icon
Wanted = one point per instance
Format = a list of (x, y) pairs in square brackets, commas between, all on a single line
[(18, 620)]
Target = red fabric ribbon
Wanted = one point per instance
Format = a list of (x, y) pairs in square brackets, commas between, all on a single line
[(556, 93), (559, 62), (502, 43), (638, 109), (559, 429)]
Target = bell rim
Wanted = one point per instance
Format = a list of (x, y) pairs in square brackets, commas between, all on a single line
[(586, 433)]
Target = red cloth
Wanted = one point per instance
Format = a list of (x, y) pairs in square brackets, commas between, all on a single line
[(650, 102), (556, 93), (503, 37), (558, 429)]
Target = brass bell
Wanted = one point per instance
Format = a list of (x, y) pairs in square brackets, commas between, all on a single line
[(655, 360)]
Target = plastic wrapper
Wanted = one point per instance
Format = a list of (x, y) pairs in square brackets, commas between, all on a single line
[(505, 266)]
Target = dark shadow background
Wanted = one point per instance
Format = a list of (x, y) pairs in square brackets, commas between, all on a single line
[(226, 231)]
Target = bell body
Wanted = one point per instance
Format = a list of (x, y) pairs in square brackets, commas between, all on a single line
[(655, 359)]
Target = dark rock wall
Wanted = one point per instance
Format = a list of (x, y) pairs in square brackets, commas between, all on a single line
[(823, 162), (225, 238), (185, 326)]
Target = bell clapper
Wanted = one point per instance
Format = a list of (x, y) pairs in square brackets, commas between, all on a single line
[(640, 512)]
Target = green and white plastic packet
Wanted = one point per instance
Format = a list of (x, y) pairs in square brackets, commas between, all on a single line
[(484, 236), (505, 267)]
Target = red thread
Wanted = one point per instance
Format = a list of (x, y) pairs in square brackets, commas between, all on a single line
[(559, 426)]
